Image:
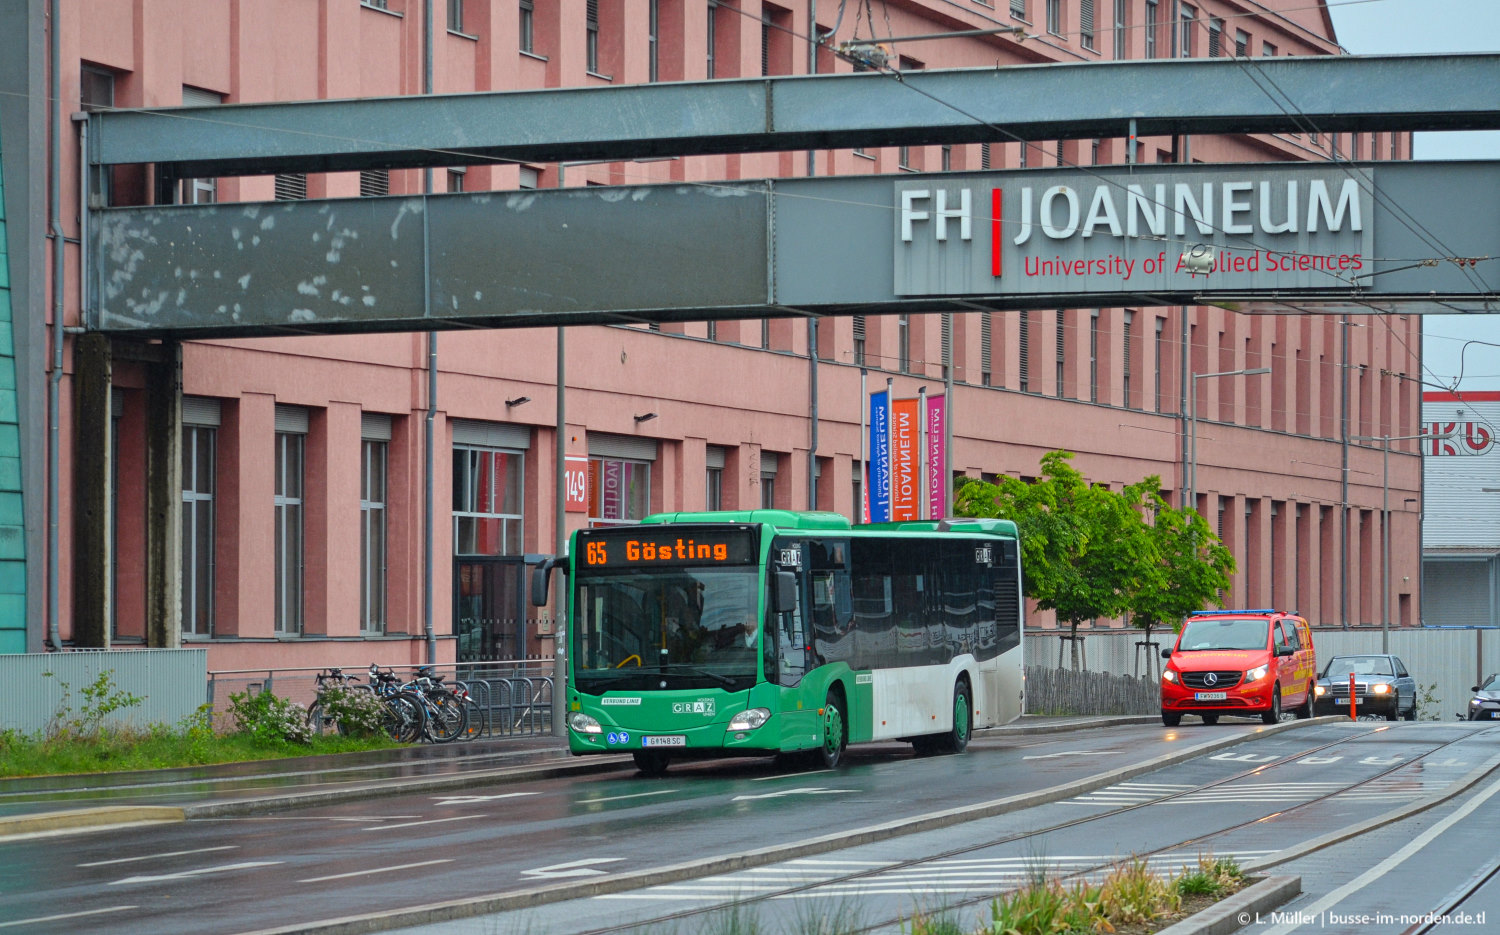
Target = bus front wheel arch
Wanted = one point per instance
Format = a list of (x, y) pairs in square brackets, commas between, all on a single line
[(835, 730)]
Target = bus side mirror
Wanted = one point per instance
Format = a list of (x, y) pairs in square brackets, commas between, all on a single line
[(786, 592), (541, 578)]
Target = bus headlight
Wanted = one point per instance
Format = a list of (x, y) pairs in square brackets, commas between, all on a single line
[(1257, 673), (584, 724), (749, 719)]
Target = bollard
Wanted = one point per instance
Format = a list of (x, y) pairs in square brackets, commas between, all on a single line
[(1353, 715)]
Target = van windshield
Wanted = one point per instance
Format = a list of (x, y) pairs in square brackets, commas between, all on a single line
[(1203, 633)]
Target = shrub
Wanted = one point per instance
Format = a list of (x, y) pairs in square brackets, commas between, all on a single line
[(101, 698), (1042, 909), (1133, 894), (358, 712), (269, 719)]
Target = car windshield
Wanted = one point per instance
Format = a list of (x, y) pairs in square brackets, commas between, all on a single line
[(1492, 684), (1345, 666), (1203, 633)]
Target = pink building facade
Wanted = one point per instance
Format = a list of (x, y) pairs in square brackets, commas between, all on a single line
[(304, 520)]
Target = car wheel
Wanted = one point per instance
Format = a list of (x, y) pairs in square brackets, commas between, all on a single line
[(1273, 715), (1410, 714), (1210, 719), (1171, 719)]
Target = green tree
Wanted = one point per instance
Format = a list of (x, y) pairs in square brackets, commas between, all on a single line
[(1082, 545), (1188, 566)]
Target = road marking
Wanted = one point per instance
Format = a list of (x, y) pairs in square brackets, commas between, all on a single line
[(616, 798), (1246, 757), (1317, 909), (813, 772), (805, 790), (365, 873), (573, 868), (65, 915), (1052, 756), (430, 821), (475, 799), (375, 818), (126, 860), (183, 875)]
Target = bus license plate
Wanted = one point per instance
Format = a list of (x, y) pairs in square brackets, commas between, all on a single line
[(679, 740), (1211, 696)]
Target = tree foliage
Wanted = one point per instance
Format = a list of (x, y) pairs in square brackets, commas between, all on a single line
[(1090, 552)]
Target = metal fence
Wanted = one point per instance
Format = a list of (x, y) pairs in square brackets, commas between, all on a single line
[(511, 698), (169, 682), (1078, 691), (1446, 661)]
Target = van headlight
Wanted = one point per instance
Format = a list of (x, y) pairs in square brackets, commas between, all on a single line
[(749, 719), (1168, 675), (584, 724), (1257, 673)]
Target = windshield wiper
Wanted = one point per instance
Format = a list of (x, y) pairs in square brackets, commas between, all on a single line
[(724, 680)]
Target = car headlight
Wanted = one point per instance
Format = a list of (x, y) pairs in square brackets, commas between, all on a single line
[(1320, 690), (1257, 673), (749, 719), (584, 724), (1169, 676), (1381, 689)]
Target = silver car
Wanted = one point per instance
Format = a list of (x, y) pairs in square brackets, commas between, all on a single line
[(1485, 705)]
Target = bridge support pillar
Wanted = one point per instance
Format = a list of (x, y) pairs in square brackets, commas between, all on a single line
[(164, 498), (93, 437)]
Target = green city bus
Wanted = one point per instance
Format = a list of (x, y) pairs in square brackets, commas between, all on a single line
[(771, 632)]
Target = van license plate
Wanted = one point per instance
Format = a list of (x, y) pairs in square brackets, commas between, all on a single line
[(679, 740), (1211, 696)]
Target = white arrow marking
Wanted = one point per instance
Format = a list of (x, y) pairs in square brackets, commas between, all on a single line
[(777, 795), (472, 799), (194, 873), (573, 868), (1246, 757), (1051, 756)]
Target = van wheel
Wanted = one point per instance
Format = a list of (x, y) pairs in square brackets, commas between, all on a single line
[(835, 732), (1274, 715), (1304, 710), (1171, 718), (650, 762), (1210, 719)]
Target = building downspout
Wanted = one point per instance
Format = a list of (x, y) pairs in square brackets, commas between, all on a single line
[(812, 323), (54, 386), (428, 495), (1344, 479)]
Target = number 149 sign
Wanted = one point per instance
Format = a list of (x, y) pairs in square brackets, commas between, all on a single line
[(576, 480)]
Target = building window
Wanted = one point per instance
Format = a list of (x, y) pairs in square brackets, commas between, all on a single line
[(1215, 37), (1094, 356), (984, 155), (1188, 23), (456, 179), (765, 334), (292, 186), (96, 89), (713, 35), (1024, 344), (487, 507), (374, 183), (986, 349), (767, 489), (619, 490), (1086, 24), (528, 177), (1127, 332), (1025, 158), (1054, 17), (1062, 345), (903, 343), (1161, 349), (947, 157), (528, 26), (1152, 19), (713, 488), (1241, 43), (859, 340), (1267, 49), (456, 15), (653, 46), (372, 493), (1018, 10), (290, 448), (591, 36), (1122, 29), (198, 463), (199, 191)]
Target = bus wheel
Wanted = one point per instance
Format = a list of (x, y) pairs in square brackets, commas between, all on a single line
[(963, 725), (835, 733), (650, 762)]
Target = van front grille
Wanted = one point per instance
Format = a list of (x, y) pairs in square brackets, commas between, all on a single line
[(1219, 680)]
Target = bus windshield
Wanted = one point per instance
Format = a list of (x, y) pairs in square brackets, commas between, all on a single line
[(676, 628), (1220, 633)]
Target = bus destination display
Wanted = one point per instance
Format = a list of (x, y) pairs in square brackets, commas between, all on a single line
[(644, 546)]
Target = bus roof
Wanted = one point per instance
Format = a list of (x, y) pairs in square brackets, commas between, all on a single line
[(822, 521)]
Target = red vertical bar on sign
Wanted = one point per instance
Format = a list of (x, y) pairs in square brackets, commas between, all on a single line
[(995, 233), (906, 433)]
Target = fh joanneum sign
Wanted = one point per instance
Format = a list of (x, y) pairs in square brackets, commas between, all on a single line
[(1122, 228)]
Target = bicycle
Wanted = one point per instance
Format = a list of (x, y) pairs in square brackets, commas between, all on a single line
[(405, 715), (447, 714), (322, 718)]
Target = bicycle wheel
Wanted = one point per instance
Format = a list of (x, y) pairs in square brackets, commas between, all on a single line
[(404, 718), (447, 716), (319, 723)]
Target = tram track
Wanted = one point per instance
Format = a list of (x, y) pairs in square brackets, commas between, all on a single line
[(699, 912)]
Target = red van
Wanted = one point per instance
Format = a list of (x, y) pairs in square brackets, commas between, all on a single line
[(1239, 662)]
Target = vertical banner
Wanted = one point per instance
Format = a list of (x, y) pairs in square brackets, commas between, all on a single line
[(613, 499), (906, 452), (879, 495), (576, 482), (937, 457)]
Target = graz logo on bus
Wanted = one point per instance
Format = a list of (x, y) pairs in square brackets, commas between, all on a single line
[(1468, 438), (983, 555), (789, 558), (703, 706)]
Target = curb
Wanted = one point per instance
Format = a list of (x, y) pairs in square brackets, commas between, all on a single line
[(1234, 912), (84, 819), (471, 906)]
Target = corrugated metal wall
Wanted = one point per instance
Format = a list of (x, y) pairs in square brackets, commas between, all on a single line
[(1456, 511), (1457, 593), (1451, 660), (172, 682)]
